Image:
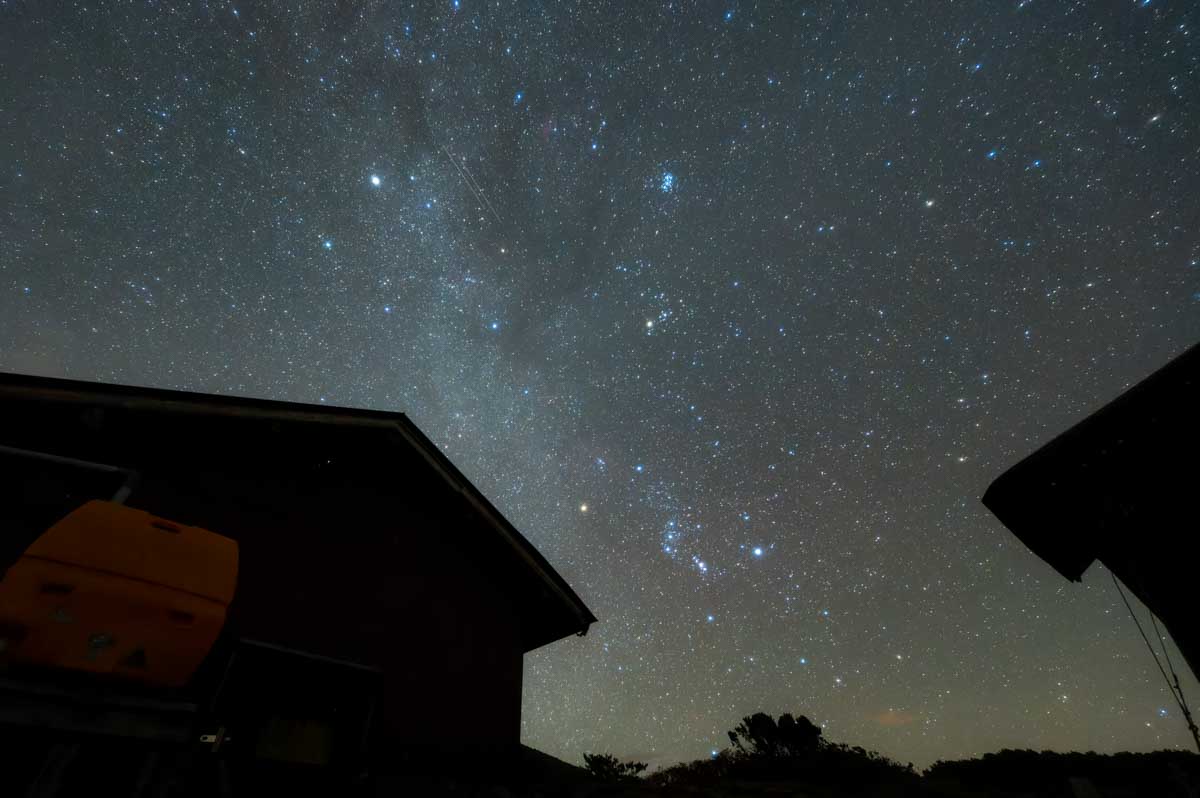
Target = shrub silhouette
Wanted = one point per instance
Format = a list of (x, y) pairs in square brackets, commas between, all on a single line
[(1159, 773)]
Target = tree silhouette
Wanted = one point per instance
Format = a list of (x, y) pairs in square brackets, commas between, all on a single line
[(607, 767), (760, 735)]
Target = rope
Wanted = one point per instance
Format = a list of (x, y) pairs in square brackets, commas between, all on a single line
[(1176, 689), (1166, 652)]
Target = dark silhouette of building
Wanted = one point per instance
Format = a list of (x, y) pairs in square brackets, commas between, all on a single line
[(1122, 487), (359, 540)]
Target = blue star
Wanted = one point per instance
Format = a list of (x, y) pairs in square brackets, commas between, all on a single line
[(327, 243), (758, 552), (667, 183), (710, 619), (804, 660), (639, 468), (494, 326), (518, 97), (991, 156), (376, 181), (728, 15)]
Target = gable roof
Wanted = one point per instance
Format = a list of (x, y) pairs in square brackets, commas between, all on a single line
[(395, 428), (1114, 480)]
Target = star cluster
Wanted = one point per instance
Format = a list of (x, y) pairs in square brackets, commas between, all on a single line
[(733, 309)]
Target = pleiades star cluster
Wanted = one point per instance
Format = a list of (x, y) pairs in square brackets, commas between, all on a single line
[(734, 309)]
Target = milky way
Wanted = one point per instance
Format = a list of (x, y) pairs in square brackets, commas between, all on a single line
[(733, 309)]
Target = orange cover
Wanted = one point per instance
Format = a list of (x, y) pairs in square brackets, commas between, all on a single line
[(111, 589)]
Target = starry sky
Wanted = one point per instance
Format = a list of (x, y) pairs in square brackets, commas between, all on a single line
[(734, 309)]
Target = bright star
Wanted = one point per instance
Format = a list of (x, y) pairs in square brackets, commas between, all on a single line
[(583, 508), (758, 552), (376, 181), (327, 243), (667, 183), (928, 203)]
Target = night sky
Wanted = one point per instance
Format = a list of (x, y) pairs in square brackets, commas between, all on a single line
[(733, 309)]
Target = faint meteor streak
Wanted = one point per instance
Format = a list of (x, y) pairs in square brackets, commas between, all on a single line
[(476, 189)]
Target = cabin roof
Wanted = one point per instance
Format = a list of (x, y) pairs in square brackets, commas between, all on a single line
[(397, 431)]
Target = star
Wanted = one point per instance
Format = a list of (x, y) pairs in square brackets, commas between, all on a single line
[(706, 243)]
